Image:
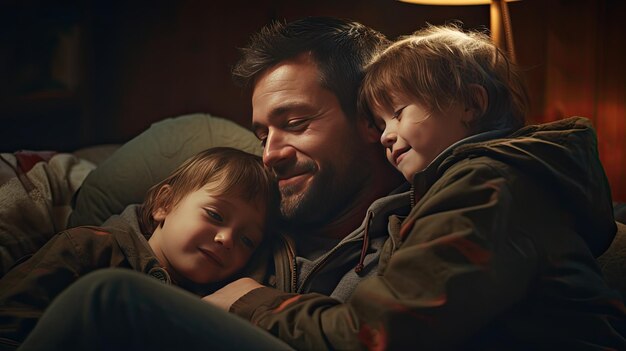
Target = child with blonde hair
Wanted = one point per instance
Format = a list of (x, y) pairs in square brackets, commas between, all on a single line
[(498, 249), (196, 229)]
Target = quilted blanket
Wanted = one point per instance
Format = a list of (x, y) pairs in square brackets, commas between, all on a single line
[(36, 190)]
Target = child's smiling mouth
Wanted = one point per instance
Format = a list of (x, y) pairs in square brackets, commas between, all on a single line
[(212, 256), (398, 155)]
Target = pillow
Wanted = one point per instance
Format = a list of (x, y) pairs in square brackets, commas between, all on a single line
[(126, 176), (619, 211), (613, 261), (36, 189)]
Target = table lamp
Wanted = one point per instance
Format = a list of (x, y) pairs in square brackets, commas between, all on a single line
[(501, 32)]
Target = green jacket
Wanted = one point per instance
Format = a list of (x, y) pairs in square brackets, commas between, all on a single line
[(496, 253), (27, 290)]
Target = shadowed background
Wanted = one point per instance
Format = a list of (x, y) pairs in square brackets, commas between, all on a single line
[(77, 73)]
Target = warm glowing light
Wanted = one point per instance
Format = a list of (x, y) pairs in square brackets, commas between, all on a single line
[(451, 2), (501, 31)]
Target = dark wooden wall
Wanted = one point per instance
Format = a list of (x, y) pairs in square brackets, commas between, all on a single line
[(131, 63)]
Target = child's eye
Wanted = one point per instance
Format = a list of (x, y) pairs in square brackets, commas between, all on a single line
[(379, 123), (397, 113), (214, 215), (248, 242)]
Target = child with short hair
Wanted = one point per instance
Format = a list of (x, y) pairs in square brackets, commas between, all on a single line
[(498, 249), (197, 229)]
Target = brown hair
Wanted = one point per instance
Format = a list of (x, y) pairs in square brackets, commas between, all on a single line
[(437, 65), (222, 170), (340, 48)]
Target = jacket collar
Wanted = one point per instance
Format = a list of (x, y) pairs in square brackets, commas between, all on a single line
[(134, 243), (424, 179)]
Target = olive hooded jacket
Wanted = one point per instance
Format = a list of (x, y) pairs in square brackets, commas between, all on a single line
[(28, 289), (497, 252)]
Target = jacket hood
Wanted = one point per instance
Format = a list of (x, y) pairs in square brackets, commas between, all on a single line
[(563, 155), (132, 242)]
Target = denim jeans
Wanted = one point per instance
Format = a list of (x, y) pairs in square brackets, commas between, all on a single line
[(118, 309)]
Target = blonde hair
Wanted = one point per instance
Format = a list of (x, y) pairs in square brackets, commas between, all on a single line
[(221, 170), (438, 65)]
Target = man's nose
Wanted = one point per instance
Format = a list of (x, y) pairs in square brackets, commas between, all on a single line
[(276, 149), (225, 237)]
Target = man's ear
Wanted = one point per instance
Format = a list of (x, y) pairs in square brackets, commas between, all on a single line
[(367, 129)]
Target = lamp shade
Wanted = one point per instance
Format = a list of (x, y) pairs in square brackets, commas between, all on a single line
[(501, 29), (451, 2)]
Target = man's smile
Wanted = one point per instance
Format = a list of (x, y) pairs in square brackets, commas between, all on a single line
[(293, 181)]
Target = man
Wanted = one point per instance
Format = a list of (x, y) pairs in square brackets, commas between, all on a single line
[(305, 77)]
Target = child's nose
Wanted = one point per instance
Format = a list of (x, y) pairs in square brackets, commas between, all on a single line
[(388, 138), (225, 238)]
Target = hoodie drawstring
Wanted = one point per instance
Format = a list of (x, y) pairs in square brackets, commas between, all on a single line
[(366, 243)]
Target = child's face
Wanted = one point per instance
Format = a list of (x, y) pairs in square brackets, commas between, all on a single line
[(413, 136), (207, 238)]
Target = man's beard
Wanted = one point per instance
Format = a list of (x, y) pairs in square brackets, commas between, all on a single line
[(325, 198)]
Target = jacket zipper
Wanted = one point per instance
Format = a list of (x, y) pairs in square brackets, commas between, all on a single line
[(335, 249), (321, 263), (292, 265)]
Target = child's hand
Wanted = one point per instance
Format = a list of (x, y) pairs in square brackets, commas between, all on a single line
[(226, 296)]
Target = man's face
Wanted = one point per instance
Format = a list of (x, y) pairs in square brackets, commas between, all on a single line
[(309, 143)]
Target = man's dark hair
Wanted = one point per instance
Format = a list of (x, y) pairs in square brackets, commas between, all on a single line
[(339, 47)]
